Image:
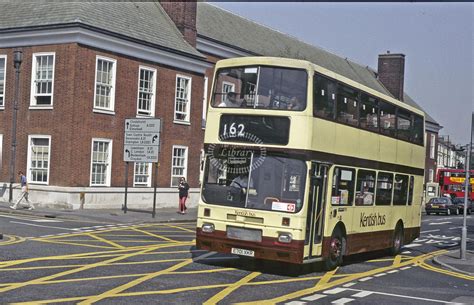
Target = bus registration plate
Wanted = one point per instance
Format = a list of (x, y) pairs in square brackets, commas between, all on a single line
[(243, 252)]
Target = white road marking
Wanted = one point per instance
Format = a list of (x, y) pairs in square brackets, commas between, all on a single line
[(392, 271), (404, 296), (455, 228), (406, 268), (406, 252), (423, 232), (334, 291), (439, 223), (342, 301), (313, 297), (380, 274), (295, 303), (349, 284), (34, 225), (365, 279), (412, 245), (362, 294), (46, 220)]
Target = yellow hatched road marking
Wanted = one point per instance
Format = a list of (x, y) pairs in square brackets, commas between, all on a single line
[(346, 279), (447, 272), (73, 244), (182, 228), (80, 269), (232, 287), (105, 241), (397, 259), (154, 235), (134, 283), (12, 239)]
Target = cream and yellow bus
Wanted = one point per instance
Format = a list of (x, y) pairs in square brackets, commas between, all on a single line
[(305, 165)]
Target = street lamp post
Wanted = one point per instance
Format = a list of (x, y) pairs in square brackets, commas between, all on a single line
[(466, 192), (17, 60)]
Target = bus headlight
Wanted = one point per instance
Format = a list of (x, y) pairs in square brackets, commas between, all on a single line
[(208, 228), (285, 238)]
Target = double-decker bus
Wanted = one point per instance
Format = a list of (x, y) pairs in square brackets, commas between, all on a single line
[(305, 165), (451, 182)]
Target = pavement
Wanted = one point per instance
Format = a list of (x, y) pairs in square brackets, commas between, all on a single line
[(108, 215), (449, 260)]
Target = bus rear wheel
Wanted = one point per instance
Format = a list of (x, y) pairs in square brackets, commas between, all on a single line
[(337, 245), (397, 241)]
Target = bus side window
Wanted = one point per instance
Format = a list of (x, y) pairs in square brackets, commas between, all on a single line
[(384, 189), (324, 96), (343, 186), (369, 113), (365, 188), (347, 105), (387, 119), (400, 190)]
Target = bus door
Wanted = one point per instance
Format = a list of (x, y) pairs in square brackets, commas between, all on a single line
[(316, 203)]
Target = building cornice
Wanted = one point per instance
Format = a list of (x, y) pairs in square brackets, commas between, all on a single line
[(210, 46), (430, 127), (104, 41)]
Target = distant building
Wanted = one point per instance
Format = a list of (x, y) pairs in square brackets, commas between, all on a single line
[(87, 66)]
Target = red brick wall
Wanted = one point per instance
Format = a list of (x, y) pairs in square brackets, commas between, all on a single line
[(72, 124), (183, 14), (391, 72)]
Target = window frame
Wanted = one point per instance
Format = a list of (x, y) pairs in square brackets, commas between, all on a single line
[(111, 109), (377, 201), (357, 185), (34, 95), (224, 84), (353, 181), (185, 167), (108, 164), (30, 158), (148, 174), (1, 149), (2, 95), (432, 146), (153, 93), (395, 203), (186, 121)]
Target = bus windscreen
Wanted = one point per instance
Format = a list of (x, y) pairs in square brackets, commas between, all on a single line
[(260, 87), (248, 180)]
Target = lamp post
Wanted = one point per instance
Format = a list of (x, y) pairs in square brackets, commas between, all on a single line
[(466, 192), (17, 60)]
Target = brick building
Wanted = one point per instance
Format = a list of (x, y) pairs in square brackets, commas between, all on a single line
[(88, 66)]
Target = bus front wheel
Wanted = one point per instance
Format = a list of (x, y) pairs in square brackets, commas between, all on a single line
[(337, 245)]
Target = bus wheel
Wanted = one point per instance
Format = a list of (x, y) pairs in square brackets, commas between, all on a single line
[(397, 241), (336, 250)]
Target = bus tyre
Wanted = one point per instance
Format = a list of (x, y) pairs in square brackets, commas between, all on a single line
[(337, 245), (397, 241)]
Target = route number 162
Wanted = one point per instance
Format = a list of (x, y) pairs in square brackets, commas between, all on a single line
[(233, 130)]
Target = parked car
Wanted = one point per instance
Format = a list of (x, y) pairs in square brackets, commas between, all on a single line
[(459, 203), (441, 205)]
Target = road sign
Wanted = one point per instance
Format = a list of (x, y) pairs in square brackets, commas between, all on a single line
[(141, 140)]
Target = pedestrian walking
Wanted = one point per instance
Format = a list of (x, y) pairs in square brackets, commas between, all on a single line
[(183, 188), (24, 193)]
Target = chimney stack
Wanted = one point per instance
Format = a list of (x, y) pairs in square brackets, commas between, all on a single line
[(183, 14), (391, 72)]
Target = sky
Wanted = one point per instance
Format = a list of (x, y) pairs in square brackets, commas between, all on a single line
[(436, 38)]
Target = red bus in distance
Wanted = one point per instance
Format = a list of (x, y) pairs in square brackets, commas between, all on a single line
[(451, 181)]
